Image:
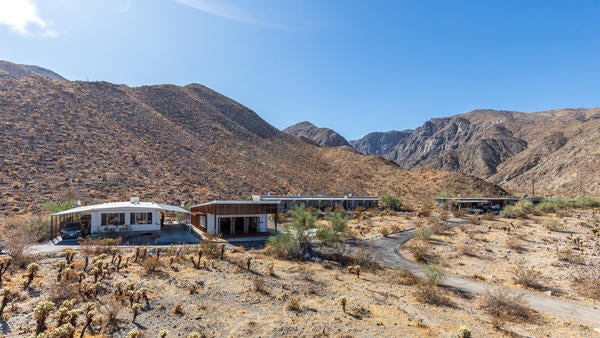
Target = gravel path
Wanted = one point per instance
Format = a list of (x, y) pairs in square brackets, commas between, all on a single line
[(386, 249)]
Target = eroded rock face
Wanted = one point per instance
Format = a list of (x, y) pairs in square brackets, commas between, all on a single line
[(507, 147), (324, 137), (380, 143)]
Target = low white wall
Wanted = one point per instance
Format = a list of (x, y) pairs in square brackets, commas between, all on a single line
[(96, 221)]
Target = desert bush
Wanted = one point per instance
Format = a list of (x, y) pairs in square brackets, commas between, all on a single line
[(586, 202), (111, 311), (588, 286), (529, 277), (62, 291), (259, 285), (293, 304), (178, 309), (521, 210), (391, 202), (98, 246), (440, 228), (283, 245), (384, 230), (420, 250), (431, 294), (570, 256), (55, 207), (467, 250), (554, 224), (423, 233), (515, 243), (433, 273), (403, 277), (503, 308), (152, 264)]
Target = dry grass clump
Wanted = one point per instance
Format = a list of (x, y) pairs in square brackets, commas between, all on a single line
[(420, 250), (529, 277), (293, 304), (402, 277), (423, 233), (467, 250), (431, 294), (98, 246), (515, 243), (588, 287), (554, 224), (569, 255), (503, 308)]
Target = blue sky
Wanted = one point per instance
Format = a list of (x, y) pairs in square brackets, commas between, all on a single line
[(354, 66)]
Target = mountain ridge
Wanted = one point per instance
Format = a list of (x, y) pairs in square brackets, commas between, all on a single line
[(9, 69), (97, 141)]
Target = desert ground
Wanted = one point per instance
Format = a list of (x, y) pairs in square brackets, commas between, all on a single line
[(171, 291)]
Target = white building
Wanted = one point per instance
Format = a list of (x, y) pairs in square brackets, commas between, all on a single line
[(131, 216)]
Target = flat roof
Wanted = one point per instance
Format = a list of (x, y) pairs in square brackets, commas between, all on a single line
[(477, 199), (316, 197), (122, 206), (244, 202)]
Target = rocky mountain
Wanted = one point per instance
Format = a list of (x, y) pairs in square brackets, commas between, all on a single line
[(380, 143), (557, 150), (97, 141), (322, 136), (9, 69)]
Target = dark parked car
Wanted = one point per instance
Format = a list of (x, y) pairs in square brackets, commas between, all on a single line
[(71, 230)]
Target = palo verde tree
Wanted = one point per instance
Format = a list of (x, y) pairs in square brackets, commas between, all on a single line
[(55, 207), (298, 239)]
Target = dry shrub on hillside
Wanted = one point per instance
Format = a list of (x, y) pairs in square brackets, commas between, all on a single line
[(529, 277), (420, 250), (569, 255), (503, 308), (588, 287), (515, 243), (98, 246), (467, 250), (402, 277)]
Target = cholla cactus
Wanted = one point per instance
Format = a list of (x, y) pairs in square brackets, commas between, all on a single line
[(143, 294), (163, 333), (4, 264), (135, 309), (88, 309), (69, 255), (134, 333), (41, 313), (64, 312), (31, 270), (247, 262), (65, 330), (6, 296)]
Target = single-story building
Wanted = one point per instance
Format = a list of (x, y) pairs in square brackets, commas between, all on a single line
[(131, 216), (320, 202), (477, 203), (232, 218)]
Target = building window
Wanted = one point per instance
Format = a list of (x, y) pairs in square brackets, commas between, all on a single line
[(113, 219), (141, 218)]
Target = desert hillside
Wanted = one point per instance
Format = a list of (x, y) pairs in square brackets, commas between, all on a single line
[(9, 69), (556, 149), (97, 141)]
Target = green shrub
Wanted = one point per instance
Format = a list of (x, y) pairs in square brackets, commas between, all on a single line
[(391, 202), (433, 273), (587, 202), (554, 224), (423, 233), (284, 245)]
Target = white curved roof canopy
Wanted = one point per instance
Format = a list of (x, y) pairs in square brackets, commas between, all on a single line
[(123, 206)]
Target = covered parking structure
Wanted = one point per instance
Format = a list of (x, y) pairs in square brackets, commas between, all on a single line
[(116, 217), (321, 202)]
